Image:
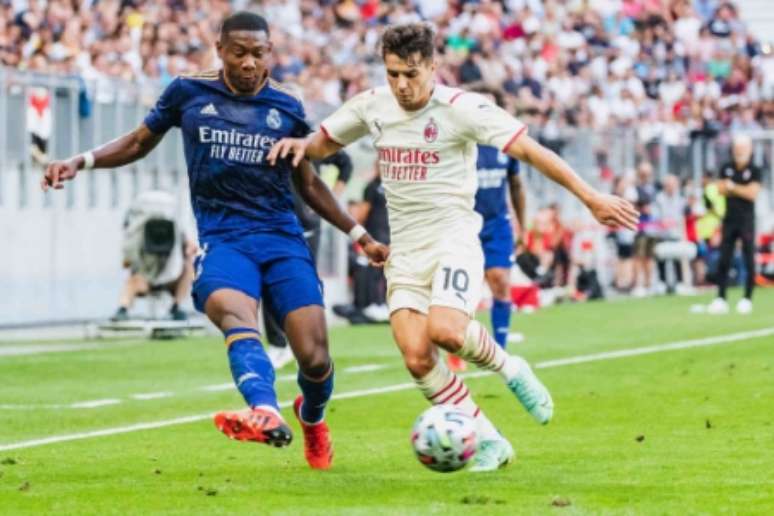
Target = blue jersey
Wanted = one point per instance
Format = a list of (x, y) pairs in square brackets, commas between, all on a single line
[(226, 139), (494, 168)]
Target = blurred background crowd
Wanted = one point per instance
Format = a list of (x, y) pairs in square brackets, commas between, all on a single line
[(667, 66)]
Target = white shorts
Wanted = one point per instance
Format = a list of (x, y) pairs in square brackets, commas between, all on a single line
[(449, 275)]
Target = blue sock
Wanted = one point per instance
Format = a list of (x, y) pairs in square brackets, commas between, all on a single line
[(316, 396), (252, 371), (501, 321)]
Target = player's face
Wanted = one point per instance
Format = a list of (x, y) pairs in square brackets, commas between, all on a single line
[(411, 80), (244, 54)]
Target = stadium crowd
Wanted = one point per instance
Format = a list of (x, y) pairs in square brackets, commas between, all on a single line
[(667, 66), (672, 70)]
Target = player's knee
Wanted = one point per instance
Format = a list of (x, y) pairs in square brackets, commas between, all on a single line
[(445, 334), (315, 364), (419, 364)]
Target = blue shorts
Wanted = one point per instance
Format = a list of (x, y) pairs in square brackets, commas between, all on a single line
[(497, 242), (274, 266)]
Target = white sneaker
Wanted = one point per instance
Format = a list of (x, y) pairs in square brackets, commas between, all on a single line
[(378, 313), (744, 306), (639, 292), (279, 357), (719, 306), (685, 290)]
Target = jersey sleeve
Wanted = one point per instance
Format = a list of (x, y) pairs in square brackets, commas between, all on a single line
[(302, 127), (482, 121), (347, 124), (167, 111)]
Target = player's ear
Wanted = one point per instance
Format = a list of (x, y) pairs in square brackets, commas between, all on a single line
[(219, 47)]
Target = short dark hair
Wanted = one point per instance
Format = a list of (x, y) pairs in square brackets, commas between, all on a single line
[(406, 40), (244, 20), (484, 89)]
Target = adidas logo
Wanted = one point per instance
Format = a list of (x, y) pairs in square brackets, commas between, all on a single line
[(209, 109)]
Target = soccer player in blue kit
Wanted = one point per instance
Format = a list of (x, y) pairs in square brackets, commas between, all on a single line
[(252, 243), (498, 174), (498, 181)]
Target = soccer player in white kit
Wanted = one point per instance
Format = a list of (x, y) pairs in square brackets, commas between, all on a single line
[(426, 136)]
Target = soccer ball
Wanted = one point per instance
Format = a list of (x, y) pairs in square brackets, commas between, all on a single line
[(444, 438)]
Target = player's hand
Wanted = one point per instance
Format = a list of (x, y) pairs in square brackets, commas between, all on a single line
[(287, 146), (377, 252), (57, 172), (614, 211)]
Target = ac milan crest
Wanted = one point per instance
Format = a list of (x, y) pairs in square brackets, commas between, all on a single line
[(431, 131)]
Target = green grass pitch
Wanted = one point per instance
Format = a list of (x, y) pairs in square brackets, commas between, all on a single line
[(674, 431)]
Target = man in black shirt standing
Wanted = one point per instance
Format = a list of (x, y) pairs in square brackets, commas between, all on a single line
[(740, 182)]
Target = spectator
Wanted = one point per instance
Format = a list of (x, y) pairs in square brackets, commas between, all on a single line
[(645, 240), (670, 207)]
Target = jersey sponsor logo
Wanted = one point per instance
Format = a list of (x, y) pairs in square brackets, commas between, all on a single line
[(273, 119), (431, 131), (236, 146), (403, 164), (209, 109)]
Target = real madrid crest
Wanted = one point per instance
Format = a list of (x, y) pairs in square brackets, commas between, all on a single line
[(273, 119), (431, 131), (746, 174)]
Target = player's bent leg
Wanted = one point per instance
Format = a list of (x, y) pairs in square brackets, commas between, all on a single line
[(499, 282), (434, 380), (480, 349), (294, 297), (235, 313)]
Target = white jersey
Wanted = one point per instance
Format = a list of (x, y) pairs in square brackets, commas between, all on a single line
[(427, 158)]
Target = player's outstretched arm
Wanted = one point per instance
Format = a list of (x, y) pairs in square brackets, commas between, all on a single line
[(123, 150), (607, 209), (318, 196), (316, 146)]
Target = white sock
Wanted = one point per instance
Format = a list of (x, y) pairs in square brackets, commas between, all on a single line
[(481, 349), (441, 386)]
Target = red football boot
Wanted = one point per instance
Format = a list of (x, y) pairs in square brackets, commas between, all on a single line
[(318, 448), (255, 424)]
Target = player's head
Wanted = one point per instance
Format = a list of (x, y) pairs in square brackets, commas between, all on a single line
[(244, 48), (742, 149), (408, 51)]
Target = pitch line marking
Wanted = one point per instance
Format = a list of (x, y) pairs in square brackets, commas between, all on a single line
[(166, 394), (594, 357), (15, 350), (143, 396)]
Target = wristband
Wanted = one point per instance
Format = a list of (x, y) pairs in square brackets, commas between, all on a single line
[(357, 232), (88, 160)]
